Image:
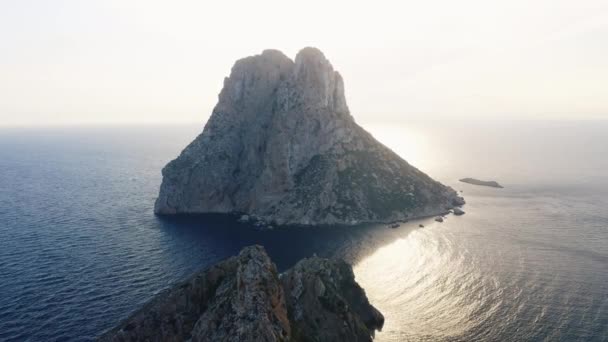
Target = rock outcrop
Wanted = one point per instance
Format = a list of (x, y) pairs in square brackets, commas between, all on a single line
[(458, 211), (282, 146), (326, 303), (244, 299)]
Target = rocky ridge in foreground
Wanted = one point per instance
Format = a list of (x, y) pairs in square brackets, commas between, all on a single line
[(244, 299), (282, 146)]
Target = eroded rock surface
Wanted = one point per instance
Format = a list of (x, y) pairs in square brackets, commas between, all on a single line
[(324, 300), (282, 146), (243, 299)]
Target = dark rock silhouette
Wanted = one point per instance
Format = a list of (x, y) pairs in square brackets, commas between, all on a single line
[(244, 299)]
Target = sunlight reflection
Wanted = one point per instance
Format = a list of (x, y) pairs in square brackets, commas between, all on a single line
[(405, 140), (423, 285)]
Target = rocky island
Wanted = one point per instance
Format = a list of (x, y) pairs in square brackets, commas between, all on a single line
[(281, 146), (244, 299), (474, 181)]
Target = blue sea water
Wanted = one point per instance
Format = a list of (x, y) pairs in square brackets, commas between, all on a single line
[(80, 247)]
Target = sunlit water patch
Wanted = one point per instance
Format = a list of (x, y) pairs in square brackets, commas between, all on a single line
[(432, 290), (494, 274)]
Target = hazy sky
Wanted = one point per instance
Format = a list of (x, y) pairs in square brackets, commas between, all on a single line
[(114, 61)]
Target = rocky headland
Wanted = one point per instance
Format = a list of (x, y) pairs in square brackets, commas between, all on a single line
[(244, 299), (474, 181), (281, 146)]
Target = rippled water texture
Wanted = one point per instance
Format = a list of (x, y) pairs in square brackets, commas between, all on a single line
[(80, 247)]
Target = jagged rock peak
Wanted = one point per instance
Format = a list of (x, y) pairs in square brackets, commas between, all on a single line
[(253, 80), (310, 81), (320, 83)]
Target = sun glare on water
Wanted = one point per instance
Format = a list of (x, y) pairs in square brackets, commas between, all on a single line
[(423, 285)]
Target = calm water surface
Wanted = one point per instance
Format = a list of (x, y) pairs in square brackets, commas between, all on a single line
[(80, 247)]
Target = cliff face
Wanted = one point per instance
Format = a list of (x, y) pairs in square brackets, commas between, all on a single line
[(281, 145), (324, 301), (244, 299)]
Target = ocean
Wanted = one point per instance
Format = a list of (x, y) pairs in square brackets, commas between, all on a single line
[(80, 247)]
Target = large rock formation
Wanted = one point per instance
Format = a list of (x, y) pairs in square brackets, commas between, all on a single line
[(281, 145), (243, 299)]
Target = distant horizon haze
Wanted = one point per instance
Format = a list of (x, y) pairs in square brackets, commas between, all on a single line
[(364, 123), (69, 62)]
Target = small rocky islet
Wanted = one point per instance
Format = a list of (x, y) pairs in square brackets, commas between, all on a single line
[(492, 184)]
